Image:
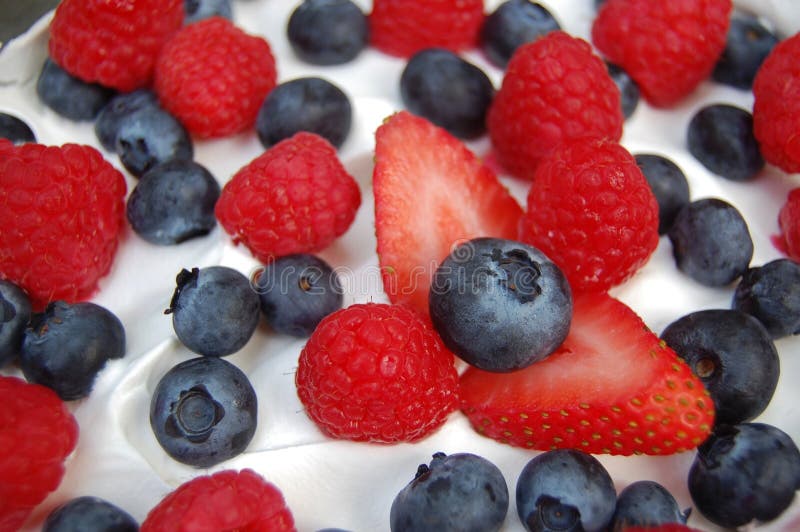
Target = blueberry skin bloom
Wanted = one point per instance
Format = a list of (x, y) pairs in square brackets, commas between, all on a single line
[(197, 10), (204, 411), (109, 120), (15, 311), (500, 305), (327, 32), (669, 186), (513, 24), (69, 96), (628, 89), (771, 293), (15, 129), (89, 513), (646, 504), (747, 45)]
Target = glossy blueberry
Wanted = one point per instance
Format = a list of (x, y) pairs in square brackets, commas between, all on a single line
[(771, 293), (628, 89), (200, 9), (296, 292), (747, 45), (15, 311), (173, 202), (204, 411), (457, 492), (447, 90), (733, 355), (565, 490), (646, 504), (327, 32), (304, 104), (69, 96), (711, 242), (15, 129), (669, 186), (214, 310), (67, 345), (513, 24), (89, 514), (110, 118), (500, 305), (745, 472)]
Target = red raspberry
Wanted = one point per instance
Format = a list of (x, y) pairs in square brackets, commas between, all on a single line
[(214, 77), (295, 197), (62, 210), (377, 373), (668, 48), (404, 27), (776, 108), (37, 433), (592, 212), (227, 500), (789, 222), (113, 43), (554, 89)]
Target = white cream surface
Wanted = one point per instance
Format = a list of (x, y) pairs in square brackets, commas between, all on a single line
[(342, 484)]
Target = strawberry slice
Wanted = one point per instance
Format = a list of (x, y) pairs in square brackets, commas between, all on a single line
[(612, 387), (431, 193)]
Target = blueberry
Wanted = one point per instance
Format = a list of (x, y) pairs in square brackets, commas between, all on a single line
[(745, 472), (296, 292), (734, 356), (565, 490), (67, 345), (327, 32), (15, 312), (173, 202), (457, 492), (511, 25), (69, 96), (15, 129), (711, 242), (196, 10), (500, 305), (721, 137), (771, 293), (646, 504), (628, 89), (747, 45), (89, 513), (447, 90), (214, 310), (305, 104), (669, 186), (110, 118), (204, 411)]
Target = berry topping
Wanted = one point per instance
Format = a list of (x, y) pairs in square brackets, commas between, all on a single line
[(771, 293), (628, 89), (69, 96), (669, 186), (117, 110), (15, 311), (647, 504), (197, 10), (89, 513), (513, 24), (748, 44), (15, 129), (789, 222), (327, 32)]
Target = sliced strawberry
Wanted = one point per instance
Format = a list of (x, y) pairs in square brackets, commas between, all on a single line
[(431, 193), (612, 387)]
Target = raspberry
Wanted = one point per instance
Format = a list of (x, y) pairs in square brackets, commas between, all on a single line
[(667, 48), (789, 222), (113, 43), (227, 500), (404, 27), (295, 197), (776, 108), (554, 89), (377, 373), (37, 432), (62, 210), (592, 212), (214, 77)]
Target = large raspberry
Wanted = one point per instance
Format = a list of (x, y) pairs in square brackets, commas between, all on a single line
[(789, 222), (61, 212)]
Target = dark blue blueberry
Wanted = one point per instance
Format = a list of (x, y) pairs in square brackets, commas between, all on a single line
[(214, 310), (565, 491), (747, 45), (669, 186), (745, 472), (15, 129), (327, 32), (296, 292), (204, 411), (734, 356), (500, 305), (304, 104), (711, 242), (89, 514), (173, 202), (771, 293), (108, 122), (69, 96), (457, 492), (201, 9), (628, 89), (511, 25), (646, 504), (67, 345), (15, 312), (447, 90), (721, 137)]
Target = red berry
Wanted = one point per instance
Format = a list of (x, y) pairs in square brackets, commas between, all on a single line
[(113, 43), (789, 222), (37, 433), (62, 210), (227, 500), (214, 77), (776, 108), (296, 197), (668, 48), (592, 212), (404, 27), (554, 89), (377, 373)]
